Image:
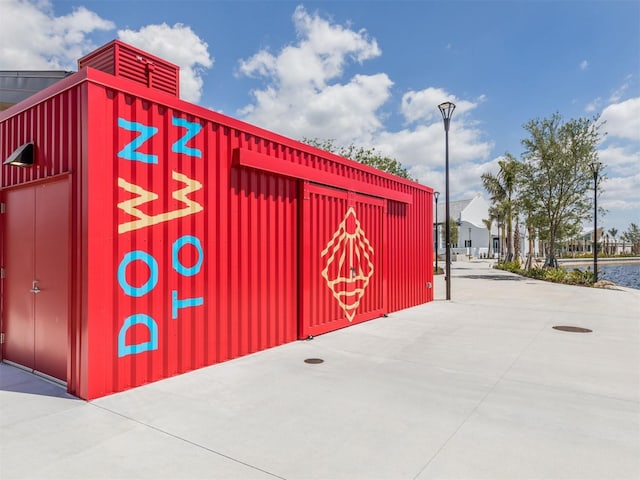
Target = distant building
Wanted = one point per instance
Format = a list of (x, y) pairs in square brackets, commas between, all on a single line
[(16, 85), (583, 244), (473, 236)]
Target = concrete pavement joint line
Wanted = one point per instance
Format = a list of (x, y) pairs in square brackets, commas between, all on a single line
[(563, 389), (188, 441), (475, 409)]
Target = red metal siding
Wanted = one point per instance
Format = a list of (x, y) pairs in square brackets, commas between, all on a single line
[(410, 259), (343, 266), (54, 121), (55, 128), (128, 62), (185, 279), (183, 257)]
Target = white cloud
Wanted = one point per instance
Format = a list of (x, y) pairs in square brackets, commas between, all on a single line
[(622, 193), (584, 65), (593, 106), (177, 44), (421, 105), (621, 160), (617, 95), (302, 96), (32, 37), (623, 119), (305, 95)]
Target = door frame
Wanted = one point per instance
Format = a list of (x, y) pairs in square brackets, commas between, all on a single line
[(352, 198), (66, 176)]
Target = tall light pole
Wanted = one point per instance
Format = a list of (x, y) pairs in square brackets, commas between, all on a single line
[(595, 169), (436, 195), (446, 109), (499, 240)]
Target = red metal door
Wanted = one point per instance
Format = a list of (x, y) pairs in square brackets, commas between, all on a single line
[(36, 283), (342, 264), (51, 254), (18, 301)]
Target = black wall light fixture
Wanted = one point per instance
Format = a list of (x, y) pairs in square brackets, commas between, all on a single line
[(22, 157)]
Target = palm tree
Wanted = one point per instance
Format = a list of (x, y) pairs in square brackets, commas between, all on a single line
[(613, 232), (488, 222), (502, 189)]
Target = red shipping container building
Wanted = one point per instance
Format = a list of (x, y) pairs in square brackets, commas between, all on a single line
[(144, 236)]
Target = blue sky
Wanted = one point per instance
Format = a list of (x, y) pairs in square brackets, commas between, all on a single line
[(373, 72)]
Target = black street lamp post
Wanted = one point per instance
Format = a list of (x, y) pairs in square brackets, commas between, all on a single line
[(446, 109), (499, 240), (436, 195), (595, 169)]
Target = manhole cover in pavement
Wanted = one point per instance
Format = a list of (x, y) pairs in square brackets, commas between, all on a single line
[(572, 329), (313, 360)]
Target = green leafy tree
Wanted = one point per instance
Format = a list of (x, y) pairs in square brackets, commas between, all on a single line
[(556, 178), (497, 213), (613, 232), (454, 231), (366, 156), (502, 190), (632, 235)]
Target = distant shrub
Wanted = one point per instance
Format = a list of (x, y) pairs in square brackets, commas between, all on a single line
[(538, 273), (510, 266), (556, 275), (579, 277)]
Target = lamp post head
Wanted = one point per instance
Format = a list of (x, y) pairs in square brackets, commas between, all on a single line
[(446, 109), (595, 167), (436, 195)]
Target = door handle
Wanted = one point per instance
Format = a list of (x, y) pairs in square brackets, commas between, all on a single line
[(34, 287)]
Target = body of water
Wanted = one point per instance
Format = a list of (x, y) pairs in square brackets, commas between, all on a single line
[(624, 274)]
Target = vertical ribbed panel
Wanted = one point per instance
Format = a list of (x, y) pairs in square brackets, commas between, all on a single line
[(54, 126), (343, 259), (410, 253), (122, 60), (207, 275), (185, 259)]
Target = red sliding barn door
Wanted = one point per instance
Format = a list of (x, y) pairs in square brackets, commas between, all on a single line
[(342, 263)]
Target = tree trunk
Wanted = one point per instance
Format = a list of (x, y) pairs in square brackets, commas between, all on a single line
[(509, 240), (532, 232), (551, 260)]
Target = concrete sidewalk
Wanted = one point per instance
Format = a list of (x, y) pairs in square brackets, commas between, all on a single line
[(480, 387)]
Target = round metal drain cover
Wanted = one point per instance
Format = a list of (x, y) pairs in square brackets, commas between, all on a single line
[(573, 329), (313, 360)]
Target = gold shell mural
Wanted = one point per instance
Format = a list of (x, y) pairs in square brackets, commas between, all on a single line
[(349, 266)]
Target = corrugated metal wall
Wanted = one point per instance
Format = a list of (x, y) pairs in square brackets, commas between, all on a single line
[(183, 258), (410, 257), (54, 127), (125, 61), (55, 124), (344, 268), (204, 267)]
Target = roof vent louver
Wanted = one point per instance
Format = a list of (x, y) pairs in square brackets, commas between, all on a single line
[(125, 61)]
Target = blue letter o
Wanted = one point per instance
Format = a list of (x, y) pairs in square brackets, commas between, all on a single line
[(153, 277), (177, 245)]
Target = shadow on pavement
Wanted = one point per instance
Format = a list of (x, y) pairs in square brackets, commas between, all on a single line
[(493, 277), (13, 379)]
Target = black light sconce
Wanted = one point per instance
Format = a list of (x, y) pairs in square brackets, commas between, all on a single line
[(22, 157)]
